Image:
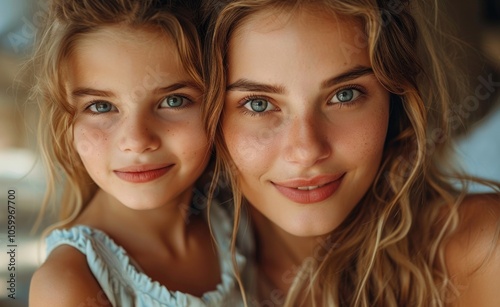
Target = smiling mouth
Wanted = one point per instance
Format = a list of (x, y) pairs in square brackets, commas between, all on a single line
[(142, 176), (309, 194)]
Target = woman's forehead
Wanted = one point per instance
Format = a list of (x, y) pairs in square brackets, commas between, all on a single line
[(271, 19)]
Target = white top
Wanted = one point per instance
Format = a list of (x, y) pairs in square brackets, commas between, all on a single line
[(125, 284)]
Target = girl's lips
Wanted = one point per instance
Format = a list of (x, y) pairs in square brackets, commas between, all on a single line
[(141, 174), (309, 192)]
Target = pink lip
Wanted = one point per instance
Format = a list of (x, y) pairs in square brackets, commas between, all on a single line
[(328, 185), (142, 173)]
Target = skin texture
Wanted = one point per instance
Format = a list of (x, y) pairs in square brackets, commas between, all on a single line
[(136, 107)]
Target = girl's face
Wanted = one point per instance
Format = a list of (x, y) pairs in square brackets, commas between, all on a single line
[(137, 126), (305, 119)]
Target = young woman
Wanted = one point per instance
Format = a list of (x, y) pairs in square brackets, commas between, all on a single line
[(119, 86), (331, 119)]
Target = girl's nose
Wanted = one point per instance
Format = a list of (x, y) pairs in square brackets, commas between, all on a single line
[(138, 135)]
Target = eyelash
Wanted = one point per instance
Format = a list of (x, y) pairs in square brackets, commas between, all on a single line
[(86, 107), (351, 103), (249, 98), (190, 101)]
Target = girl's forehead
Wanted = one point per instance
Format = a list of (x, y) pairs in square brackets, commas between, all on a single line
[(127, 39), (124, 33)]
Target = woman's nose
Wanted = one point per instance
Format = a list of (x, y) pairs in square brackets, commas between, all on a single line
[(307, 140)]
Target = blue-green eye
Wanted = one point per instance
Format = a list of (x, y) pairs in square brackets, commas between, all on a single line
[(174, 101), (259, 105), (101, 107), (346, 95)]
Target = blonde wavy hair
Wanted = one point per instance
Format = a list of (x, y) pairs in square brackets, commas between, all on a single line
[(397, 257), (67, 22)]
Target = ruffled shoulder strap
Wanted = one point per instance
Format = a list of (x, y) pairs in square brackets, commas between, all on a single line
[(117, 274)]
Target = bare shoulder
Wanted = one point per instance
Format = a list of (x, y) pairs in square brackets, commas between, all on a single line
[(64, 279), (473, 253), (478, 226)]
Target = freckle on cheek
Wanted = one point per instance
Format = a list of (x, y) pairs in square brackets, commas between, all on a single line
[(83, 149), (247, 154), (87, 141)]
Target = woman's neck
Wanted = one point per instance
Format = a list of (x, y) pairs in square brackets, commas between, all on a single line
[(279, 254)]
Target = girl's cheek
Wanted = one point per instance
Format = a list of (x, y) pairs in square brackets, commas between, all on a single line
[(90, 141), (87, 141)]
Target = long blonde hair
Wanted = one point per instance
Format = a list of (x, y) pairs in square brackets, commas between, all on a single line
[(397, 257), (66, 22)]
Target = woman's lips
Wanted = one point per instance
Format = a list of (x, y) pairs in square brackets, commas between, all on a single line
[(310, 191), (141, 174)]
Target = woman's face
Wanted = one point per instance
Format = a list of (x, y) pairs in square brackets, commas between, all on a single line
[(305, 119)]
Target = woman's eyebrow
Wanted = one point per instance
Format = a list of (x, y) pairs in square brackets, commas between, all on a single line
[(177, 86), (351, 74), (246, 85)]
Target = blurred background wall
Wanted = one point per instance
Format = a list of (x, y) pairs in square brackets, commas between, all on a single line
[(477, 23), (19, 170)]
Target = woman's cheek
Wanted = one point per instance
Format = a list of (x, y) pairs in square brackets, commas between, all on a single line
[(371, 138), (249, 147)]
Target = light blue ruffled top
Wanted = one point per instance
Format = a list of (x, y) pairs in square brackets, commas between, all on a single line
[(125, 284)]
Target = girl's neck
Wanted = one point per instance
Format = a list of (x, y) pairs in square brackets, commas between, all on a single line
[(168, 245), (168, 224)]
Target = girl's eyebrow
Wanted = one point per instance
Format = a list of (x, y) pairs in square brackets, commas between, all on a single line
[(87, 91), (246, 85)]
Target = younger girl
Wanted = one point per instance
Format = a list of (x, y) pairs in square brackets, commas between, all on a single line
[(119, 87), (331, 118)]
